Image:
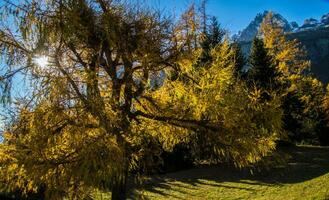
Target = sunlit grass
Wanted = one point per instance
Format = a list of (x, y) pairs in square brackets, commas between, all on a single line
[(317, 188), (306, 176)]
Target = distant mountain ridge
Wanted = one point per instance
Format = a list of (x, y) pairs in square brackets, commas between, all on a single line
[(313, 35), (252, 29)]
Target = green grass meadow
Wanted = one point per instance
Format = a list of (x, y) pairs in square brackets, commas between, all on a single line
[(304, 176)]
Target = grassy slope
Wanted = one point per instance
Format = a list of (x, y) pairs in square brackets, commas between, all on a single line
[(306, 176)]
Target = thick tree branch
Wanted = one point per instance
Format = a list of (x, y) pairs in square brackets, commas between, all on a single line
[(77, 55), (184, 123), (103, 5)]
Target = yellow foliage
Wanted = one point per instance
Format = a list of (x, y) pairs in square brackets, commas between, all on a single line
[(86, 125), (234, 121), (325, 104), (288, 54), (55, 147)]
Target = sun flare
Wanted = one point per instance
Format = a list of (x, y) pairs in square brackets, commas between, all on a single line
[(41, 61)]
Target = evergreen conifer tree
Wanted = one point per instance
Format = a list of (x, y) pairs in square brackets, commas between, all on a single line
[(212, 37), (239, 60), (263, 72)]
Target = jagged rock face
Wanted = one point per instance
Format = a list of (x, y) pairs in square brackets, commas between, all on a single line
[(325, 19), (313, 35), (294, 25), (252, 29), (309, 24)]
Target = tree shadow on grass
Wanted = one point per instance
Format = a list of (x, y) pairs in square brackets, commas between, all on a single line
[(305, 163)]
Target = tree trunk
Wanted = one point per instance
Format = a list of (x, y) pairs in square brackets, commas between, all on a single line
[(119, 189)]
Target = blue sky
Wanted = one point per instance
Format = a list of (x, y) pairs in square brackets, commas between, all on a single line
[(237, 14)]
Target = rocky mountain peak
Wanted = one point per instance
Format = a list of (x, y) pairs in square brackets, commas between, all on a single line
[(253, 28), (294, 25), (325, 19), (310, 23)]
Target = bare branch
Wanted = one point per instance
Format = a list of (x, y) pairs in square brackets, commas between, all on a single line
[(12, 73), (71, 81)]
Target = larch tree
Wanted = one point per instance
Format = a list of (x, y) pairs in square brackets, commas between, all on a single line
[(324, 134), (188, 28), (301, 92), (241, 127), (288, 55), (92, 114), (326, 102), (98, 56)]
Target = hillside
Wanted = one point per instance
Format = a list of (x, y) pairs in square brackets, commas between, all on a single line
[(316, 43)]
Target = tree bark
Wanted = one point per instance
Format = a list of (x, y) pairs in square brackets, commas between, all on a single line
[(119, 188)]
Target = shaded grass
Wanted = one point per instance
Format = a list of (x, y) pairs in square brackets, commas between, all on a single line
[(305, 176)]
